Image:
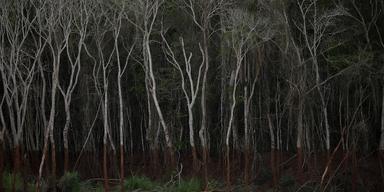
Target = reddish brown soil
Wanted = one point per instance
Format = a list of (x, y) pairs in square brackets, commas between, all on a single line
[(363, 169)]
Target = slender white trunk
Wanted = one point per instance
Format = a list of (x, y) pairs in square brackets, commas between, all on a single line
[(190, 123), (151, 75), (299, 126), (203, 128), (271, 133), (382, 123), (67, 123), (232, 111), (105, 107), (246, 114)]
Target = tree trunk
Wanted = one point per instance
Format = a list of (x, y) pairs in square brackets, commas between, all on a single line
[(1, 164), (65, 134), (205, 167), (228, 169), (246, 166), (53, 158), (122, 168), (171, 158), (155, 160), (66, 159), (105, 169), (300, 172), (381, 147), (45, 152), (17, 165), (203, 126), (195, 162), (274, 167), (354, 171)]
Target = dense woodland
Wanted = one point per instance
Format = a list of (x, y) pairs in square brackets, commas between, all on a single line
[(107, 87)]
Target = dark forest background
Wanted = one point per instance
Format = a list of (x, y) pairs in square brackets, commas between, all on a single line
[(107, 87)]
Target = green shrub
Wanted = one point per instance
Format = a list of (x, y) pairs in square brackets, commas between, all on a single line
[(8, 181), (287, 181), (192, 185), (138, 182), (70, 182), (99, 187), (214, 185), (264, 176)]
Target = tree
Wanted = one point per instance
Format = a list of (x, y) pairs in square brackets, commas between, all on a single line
[(244, 32), (19, 59), (148, 12), (194, 86), (74, 60)]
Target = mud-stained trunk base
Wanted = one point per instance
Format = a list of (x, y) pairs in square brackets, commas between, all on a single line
[(1, 165), (381, 164), (275, 162), (105, 169), (121, 168), (154, 162), (228, 169), (16, 166), (44, 157), (300, 161), (195, 161), (66, 160), (170, 159), (354, 170), (205, 167), (53, 163), (247, 167)]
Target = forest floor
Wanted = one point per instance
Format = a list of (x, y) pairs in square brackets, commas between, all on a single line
[(142, 173)]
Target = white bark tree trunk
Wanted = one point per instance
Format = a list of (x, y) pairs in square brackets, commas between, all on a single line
[(381, 148)]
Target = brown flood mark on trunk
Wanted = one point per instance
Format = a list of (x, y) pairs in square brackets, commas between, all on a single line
[(205, 167), (44, 157), (1, 165), (16, 166), (300, 161), (171, 158), (381, 165), (121, 168), (195, 161), (53, 158), (275, 167), (228, 169), (246, 167), (66, 160), (105, 169), (354, 171), (154, 162)]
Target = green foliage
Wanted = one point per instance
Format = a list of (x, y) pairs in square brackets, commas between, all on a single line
[(287, 180), (264, 176), (181, 145), (139, 182), (99, 188), (31, 187), (214, 185), (192, 185), (8, 179), (70, 182)]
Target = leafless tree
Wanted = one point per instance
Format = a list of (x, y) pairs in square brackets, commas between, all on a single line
[(58, 29), (18, 67), (74, 62), (194, 86), (202, 12), (147, 12), (245, 32)]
